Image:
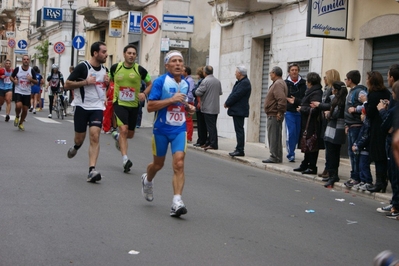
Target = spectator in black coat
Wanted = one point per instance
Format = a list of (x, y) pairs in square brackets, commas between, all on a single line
[(238, 107), (377, 91), (312, 94)]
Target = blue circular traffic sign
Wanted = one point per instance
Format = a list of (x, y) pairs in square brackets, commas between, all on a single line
[(59, 47), (149, 24), (78, 42), (22, 44)]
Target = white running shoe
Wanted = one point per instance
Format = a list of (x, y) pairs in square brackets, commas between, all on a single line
[(49, 116), (94, 176), (115, 135), (178, 209), (146, 190), (385, 209)]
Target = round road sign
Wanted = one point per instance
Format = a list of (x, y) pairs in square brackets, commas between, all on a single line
[(59, 47), (11, 43), (149, 24)]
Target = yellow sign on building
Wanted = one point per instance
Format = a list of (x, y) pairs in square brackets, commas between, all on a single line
[(115, 28)]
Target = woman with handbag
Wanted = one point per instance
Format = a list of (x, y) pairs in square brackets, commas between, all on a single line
[(310, 125), (334, 135)]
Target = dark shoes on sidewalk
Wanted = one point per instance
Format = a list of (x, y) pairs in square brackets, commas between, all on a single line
[(269, 161), (324, 175), (309, 171), (306, 171), (236, 153), (210, 148)]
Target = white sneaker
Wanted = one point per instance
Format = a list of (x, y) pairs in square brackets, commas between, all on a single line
[(115, 135), (178, 209), (364, 187), (94, 176), (385, 209), (357, 186), (147, 189), (49, 116)]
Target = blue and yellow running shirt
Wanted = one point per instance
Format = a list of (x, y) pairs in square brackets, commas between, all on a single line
[(171, 119)]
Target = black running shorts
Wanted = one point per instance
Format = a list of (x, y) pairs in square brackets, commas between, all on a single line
[(83, 118), (126, 116)]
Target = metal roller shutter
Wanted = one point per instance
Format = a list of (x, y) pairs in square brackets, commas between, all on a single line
[(265, 89), (385, 54)]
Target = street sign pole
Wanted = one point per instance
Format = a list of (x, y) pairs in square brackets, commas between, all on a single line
[(73, 36)]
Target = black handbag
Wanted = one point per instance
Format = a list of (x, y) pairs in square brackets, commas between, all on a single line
[(309, 144)]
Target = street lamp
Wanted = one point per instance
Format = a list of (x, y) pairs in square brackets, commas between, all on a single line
[(70, 2), (18, 24)]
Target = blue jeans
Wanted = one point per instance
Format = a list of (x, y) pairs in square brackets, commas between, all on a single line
[(293, 127), (394, 178), (353, 133), (364, 165)]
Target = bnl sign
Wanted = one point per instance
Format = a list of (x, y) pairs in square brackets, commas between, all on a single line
[(52, 14)]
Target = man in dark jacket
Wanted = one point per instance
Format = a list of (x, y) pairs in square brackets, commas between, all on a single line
[(296, 90), (238, 107)]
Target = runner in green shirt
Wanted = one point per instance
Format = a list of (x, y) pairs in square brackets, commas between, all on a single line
[(127, 77)]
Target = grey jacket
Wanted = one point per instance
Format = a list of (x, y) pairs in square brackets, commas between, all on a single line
[(209, 91)]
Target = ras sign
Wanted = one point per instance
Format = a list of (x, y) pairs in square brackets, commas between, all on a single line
[(52, 14)]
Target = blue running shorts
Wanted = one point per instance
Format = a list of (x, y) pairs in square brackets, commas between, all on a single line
[(161, 142)]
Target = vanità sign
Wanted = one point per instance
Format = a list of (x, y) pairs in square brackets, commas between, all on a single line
[(327, 18)]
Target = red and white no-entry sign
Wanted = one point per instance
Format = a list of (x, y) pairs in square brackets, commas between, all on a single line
[(59, 47), (11, 43), (149, 24)]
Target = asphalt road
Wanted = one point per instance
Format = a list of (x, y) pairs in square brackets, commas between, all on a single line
[(237, 214)]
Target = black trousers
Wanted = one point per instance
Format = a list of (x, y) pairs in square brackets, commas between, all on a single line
[(333, 156), (240, 134), (310, 160), (201, 128), (210, 121)]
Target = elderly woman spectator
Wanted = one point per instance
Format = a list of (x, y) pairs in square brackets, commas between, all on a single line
[(313, 94)]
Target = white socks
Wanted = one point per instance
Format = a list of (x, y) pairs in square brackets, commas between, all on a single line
[(176, 198)]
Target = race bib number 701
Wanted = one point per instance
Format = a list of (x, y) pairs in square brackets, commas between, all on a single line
[(175, 115)]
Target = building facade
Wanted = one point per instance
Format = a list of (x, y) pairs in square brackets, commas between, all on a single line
[(262, 34)]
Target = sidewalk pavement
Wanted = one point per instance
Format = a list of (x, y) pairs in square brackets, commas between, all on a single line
[(256, 152)]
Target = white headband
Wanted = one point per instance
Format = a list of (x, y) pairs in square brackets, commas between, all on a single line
[(169, 56)]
